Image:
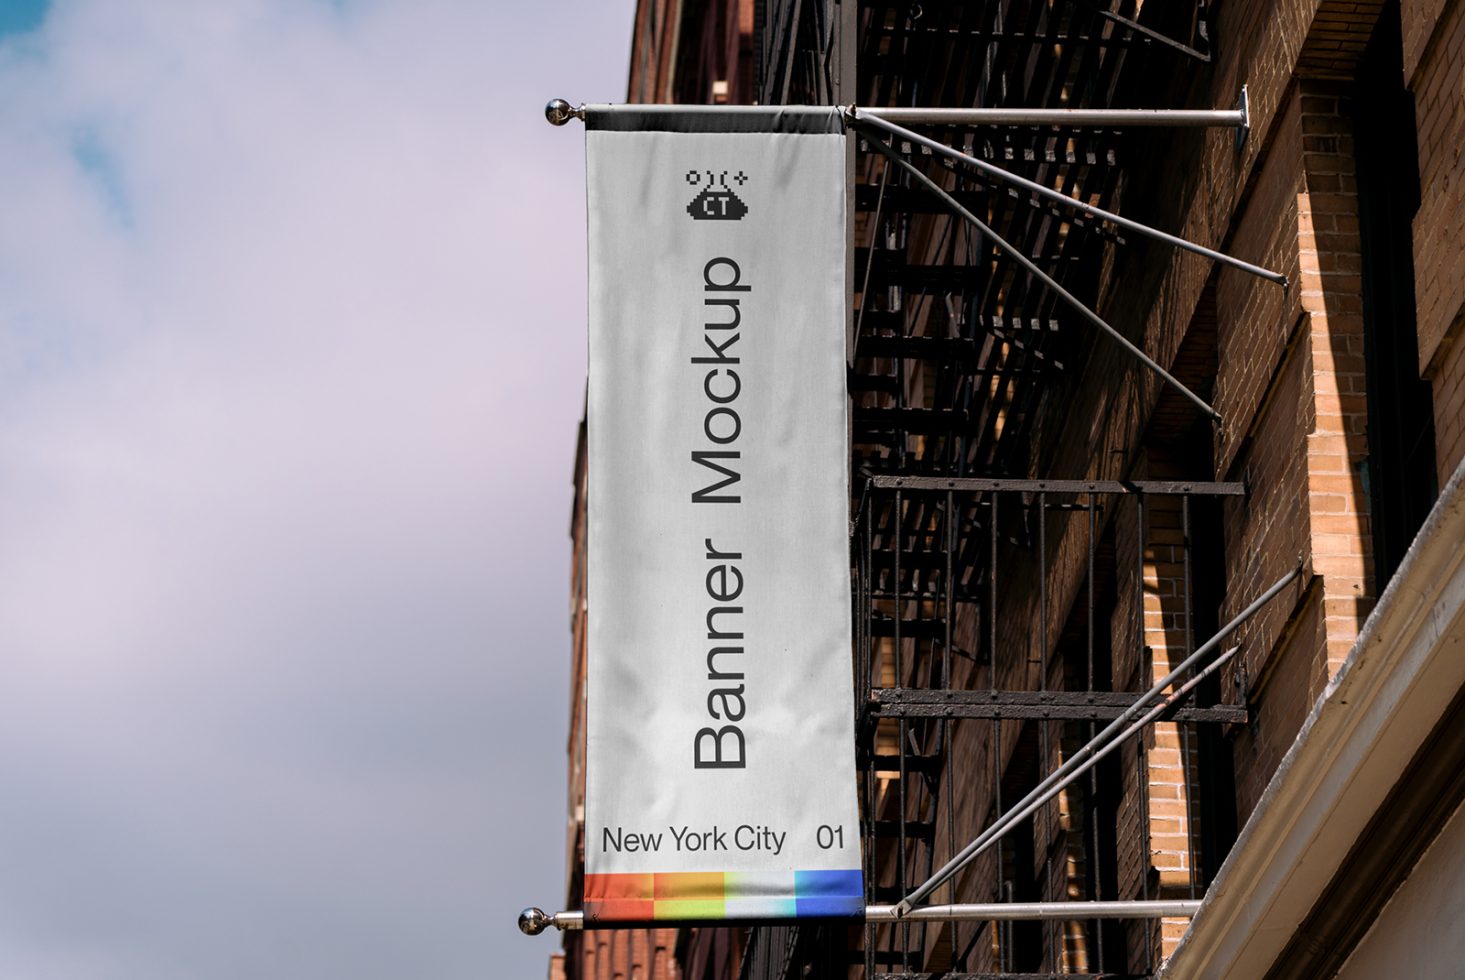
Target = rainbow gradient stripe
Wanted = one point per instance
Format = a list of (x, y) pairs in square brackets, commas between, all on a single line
[(723, 895)]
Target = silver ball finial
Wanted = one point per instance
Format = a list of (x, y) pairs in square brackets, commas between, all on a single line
[(534, 921), (558, 112)]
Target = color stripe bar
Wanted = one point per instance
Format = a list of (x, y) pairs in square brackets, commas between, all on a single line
[(723, 895)]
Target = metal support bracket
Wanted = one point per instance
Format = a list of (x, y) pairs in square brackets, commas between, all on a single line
[(1243, 104), (882, 121), (533, 921), (559, 112), (900, 702), (1144, 710), (1027, 264)]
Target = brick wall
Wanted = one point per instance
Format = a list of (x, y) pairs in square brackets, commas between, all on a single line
[(1303, 450), (1449, 408), (1290, 385), (1434, 68), (1332, 297), (1170, 761)]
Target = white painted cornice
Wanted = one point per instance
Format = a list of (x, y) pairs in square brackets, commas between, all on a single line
[(1401, 676)]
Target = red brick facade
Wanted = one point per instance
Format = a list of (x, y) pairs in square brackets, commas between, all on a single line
[(1288, 370)]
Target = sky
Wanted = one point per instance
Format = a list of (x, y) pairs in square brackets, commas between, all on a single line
[(291, 364)]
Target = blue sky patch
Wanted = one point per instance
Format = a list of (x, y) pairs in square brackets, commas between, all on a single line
[(92, 155), (21, 16)]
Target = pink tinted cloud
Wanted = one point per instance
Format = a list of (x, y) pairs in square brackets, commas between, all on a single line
[(291, 358)]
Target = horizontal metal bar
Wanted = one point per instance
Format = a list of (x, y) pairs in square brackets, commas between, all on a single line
[(559, 112), (1120, 39), (1224, 715), (1055, 705), (890, 264), (910, 763), (920, 420), (709, 118), (921, 629), (534, 921), (1052, 699), (967, 596), (897, 828), (1103, 118), (887, 481), (1013, 911), (893, 321), (887, 384)]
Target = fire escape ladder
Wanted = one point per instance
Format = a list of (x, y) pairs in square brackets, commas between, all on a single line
[(1002, 620)]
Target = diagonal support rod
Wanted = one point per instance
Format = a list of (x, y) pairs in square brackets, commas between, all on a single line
[(1143, 31), (1080, 760), (1083, 760), (1046, 279), (935, 146)]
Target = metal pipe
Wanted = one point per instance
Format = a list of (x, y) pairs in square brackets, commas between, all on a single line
[(1042, 276), (1009, 911), (979, 484), (1118, 724), (559, 112), (1102, 118), (880, 119), (534, 921)]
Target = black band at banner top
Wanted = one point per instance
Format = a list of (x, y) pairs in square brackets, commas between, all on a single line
[(799, 119)]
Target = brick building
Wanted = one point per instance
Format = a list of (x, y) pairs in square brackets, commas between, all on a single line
[(1042, 527)]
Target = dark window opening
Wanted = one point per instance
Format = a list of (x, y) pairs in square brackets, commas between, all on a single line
[(1217, 774), (1401, 465), (1085, 647), (1023, 939), (1181, 440)]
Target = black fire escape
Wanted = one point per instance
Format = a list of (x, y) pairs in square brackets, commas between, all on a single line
[(992, 568)]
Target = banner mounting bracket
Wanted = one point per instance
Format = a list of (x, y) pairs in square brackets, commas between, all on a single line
[(533, 921), (560, 111)]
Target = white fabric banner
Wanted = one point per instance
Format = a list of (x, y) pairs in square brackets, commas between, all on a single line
[(720, 773)]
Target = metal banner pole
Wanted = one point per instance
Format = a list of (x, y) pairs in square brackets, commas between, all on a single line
[(533, 921), (560, 112)]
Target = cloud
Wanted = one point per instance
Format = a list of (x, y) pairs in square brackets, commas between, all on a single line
[(291, 359)]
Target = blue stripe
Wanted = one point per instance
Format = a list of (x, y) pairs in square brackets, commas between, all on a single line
[(829, 893)]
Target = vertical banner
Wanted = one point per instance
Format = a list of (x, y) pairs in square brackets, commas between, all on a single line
[(720, 772)]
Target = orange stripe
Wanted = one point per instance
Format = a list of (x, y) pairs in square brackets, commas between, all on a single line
[(697, 886), (620, 887)]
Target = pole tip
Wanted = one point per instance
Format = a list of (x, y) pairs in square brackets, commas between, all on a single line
[(1243, 103), (533, 921), (559, 112)]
